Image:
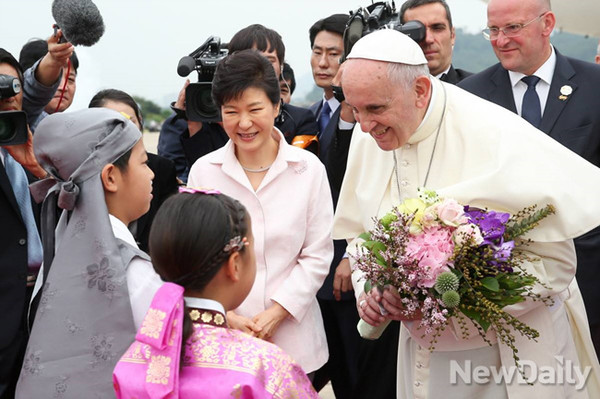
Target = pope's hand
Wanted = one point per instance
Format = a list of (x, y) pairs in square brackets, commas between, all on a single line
[(369, 309), (392, 303)]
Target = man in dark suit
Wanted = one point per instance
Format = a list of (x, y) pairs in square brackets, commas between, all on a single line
[(440, 37), (336, 122), (557, 94), (20, 245)]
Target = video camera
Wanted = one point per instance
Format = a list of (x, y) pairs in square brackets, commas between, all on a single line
[(13, 124), (380, 15), (198, 99)]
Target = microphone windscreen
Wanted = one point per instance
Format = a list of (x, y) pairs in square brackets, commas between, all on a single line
[(79, 20), (186, 65)]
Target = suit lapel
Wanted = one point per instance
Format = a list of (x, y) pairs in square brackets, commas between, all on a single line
[(501, 92), (563, 72), (451, 76)]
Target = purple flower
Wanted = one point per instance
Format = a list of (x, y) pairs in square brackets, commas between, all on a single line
[(503, 252), (492, 224)]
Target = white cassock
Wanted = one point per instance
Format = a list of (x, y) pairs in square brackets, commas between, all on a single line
[(488, 157)]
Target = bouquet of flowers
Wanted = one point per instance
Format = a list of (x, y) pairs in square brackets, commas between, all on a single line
[(449, 260)]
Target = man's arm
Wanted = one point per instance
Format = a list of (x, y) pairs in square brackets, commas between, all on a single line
[(50, 68), (43, 78)]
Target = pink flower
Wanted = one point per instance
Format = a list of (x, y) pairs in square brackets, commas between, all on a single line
[(431, 250), (451, 213)]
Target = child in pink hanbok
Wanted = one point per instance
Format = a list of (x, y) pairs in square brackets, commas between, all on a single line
[(201, 244)]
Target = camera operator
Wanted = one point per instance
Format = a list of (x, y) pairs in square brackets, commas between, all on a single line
[(45, 65), (439, 39), (202, 138), (20, 245)]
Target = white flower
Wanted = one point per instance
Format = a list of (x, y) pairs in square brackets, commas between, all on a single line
[(466, 232)]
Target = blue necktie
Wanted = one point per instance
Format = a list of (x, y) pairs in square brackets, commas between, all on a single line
[(20, 186), (325, 117), (531, 110)]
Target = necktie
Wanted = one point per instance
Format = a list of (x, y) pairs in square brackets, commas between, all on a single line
[(531, 110), (20, 186), (324, 117)]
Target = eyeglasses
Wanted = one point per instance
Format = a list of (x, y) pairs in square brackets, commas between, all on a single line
[(513, 30)]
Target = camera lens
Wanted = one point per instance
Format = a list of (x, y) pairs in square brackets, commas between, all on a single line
[(204, 102), (199, 103), (7, 130), (13, 127)]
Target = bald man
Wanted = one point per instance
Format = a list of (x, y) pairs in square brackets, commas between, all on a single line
[(563, 102)]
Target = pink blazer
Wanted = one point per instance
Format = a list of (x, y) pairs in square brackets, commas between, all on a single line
[(292, 217)]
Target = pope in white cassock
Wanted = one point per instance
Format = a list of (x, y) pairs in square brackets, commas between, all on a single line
[(425, 133)]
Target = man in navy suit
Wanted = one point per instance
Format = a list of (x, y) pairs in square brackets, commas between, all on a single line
[(336, 122), (439, 39), (557, 94)]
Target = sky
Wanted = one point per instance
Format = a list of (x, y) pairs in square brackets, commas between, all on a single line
[(144, 39)]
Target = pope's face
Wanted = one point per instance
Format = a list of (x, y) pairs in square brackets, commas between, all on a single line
[(386, 110)]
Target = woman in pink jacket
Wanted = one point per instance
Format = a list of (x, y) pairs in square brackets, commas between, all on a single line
[(286, 192)]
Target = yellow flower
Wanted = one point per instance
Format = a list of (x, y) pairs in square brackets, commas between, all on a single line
[(414, 206)]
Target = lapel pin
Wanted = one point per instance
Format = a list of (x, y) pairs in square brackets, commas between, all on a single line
[(565, 92)]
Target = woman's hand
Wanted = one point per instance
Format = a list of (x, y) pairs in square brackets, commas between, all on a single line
[(242, 323), (269, 320)]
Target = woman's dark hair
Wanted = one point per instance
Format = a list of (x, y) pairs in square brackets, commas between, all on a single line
[(118, 96), (259, 37), (243, 70), (188, 239)]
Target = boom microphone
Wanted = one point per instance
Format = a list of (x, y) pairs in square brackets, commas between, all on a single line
[(79, 20), (186, 65)]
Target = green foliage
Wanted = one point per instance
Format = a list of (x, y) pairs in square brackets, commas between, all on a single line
[(525, 221), (151, 111), (490, 283)]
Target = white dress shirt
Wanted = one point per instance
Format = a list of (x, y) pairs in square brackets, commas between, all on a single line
[(545, 73), (142, 280)]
